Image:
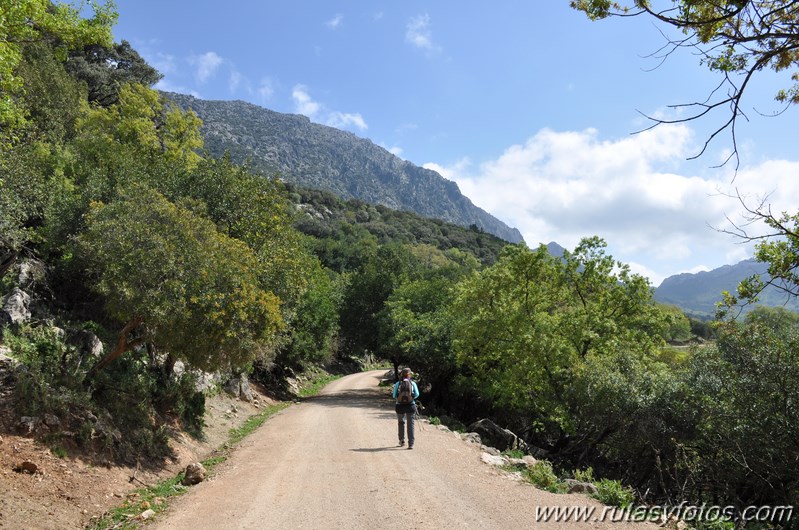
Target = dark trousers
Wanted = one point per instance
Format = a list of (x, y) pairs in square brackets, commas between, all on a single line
[(406, 415)]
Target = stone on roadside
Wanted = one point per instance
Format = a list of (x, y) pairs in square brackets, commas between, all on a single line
[(471, 437), (493, 460), (28, 424), (26, 467), (51, 420), (194, 474), (529, 460), (491, 450), (575, 486), (146, 515), (496, 436)]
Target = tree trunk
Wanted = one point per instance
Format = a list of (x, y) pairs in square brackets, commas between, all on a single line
[(6, 262), (122, 346), (396, 368)]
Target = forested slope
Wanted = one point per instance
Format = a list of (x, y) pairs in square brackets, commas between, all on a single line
[(317, 156)]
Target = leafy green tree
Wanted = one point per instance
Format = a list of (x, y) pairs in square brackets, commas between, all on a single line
[(32, 169), (525, 326), (744, 389), (254, 210), (506, 333), (775, 318), (172, 279), (679, 327), (106, 69), (738, 39), (140, 124), (612, 308), (313, 332), (36, 20), (53, 100), (416, 324), (365, 295)]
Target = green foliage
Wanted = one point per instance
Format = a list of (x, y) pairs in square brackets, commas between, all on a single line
[(513, 453), (347, 229), (141, 124), (746, 427), (777, 319), (542, 476), (313, 333), (679, 327), (178, 395), (58, 451), (106, 69), (36, 21), (613, 493), (530, 324), (195, 290), (586, 475)]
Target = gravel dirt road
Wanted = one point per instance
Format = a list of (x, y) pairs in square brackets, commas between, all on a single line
[(333, 462)]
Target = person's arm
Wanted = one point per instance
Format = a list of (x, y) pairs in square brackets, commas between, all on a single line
[(395, 390), (415, 390)]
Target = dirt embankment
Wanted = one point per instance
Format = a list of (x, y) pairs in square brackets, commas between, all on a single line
[(71, 492)]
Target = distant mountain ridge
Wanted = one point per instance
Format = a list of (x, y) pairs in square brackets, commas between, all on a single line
[(317, 156), (698, 293)]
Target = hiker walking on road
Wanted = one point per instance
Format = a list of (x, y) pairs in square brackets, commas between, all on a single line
[(405, 392)]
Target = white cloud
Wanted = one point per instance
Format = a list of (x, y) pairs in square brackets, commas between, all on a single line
[(394, 150), (305, 104), (266, 89), (206, 65), (167, 86), (419, 34), (235, 80), (335, 22), (343, 120), (562, 186)]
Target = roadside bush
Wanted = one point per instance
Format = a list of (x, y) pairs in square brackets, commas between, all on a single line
[(613, 493), (46, 380), (543, 476), (179, 396)]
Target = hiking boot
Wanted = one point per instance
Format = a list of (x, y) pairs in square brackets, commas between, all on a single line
[(402, 443), (410, 447)]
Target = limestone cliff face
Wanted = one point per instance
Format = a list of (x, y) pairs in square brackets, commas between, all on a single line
[(312, 155)]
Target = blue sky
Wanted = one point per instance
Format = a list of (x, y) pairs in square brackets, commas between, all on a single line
[(528, 106)]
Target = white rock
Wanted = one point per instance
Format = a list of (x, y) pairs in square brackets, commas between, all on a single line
[(493, 460)]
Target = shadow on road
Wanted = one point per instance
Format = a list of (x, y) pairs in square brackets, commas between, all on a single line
[(376, 449), (361, 398)]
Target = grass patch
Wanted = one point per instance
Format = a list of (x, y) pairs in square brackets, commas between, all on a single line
[(314, 386), (613, 493), (239, 433), (513, 453), (543, 476), (59, 451), (434, 420), (156, 497)]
